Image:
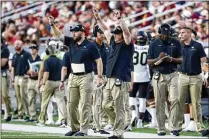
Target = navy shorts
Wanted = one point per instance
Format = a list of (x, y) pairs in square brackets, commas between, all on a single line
[(140, 90), (150, 93), (188, 98)]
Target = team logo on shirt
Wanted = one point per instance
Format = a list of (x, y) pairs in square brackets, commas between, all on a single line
[(21, 55), (192, 48)]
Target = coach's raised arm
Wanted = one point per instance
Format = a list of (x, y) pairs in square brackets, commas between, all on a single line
[(55, 30), (118, 73), (107, 32)]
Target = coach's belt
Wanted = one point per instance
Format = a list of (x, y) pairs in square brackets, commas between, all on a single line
[(189, 74), (80, 73)]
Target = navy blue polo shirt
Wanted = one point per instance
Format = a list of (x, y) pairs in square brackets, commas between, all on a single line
[(5, 54), (38, 58), (66, 62), (68, 41), (20, 63), (104, 52), (53, 65), (192, 54), (86, 53), (172, 48), (119, 62)]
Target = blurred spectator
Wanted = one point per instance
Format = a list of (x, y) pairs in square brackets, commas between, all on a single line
[(34, 24)]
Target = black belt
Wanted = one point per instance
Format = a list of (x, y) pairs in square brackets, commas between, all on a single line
[(189, 74), (81, 73), (167, 73)]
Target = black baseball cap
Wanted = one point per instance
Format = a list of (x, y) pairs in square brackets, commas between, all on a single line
[(165, 29), (97, 29), (33, 46), (78, 27), (117, 30)]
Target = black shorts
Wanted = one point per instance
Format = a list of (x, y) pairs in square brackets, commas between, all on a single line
[(150, 93), (142, 88), (205, 92)]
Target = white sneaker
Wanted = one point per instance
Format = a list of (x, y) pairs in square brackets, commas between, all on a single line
[(166, 125), (191, 127), (151, 125), (184, 125), (108, 127), (5, 116), (49, 122), (40, 124), (58, 122), (70, 129), (139, 124)]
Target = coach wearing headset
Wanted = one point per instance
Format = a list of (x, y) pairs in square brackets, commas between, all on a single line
[(99, 114), (164, 54)]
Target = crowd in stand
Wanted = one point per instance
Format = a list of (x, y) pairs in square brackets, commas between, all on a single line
[(30, 26)]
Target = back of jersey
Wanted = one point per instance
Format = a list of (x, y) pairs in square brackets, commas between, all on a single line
[(141, 68)]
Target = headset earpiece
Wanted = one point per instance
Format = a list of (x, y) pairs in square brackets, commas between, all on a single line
[(170, 29)]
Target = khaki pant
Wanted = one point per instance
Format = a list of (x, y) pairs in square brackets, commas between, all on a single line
[(80, 90), (32, 92), (5, 93), (166, 83), (52, 88), (192, 85), (128, 110), (114, 104), (68, 100), (20, 86), (99, 116)]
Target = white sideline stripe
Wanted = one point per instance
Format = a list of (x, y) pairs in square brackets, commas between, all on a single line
[(38, 129)]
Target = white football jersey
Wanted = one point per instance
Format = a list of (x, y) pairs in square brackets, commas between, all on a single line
[(141, 68)]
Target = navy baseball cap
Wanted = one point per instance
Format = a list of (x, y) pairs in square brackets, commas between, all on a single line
[(33, 46), (117, 30), (78, 27), (97, 29), (165, 29)]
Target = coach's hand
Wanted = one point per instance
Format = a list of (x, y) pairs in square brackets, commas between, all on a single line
[(42, 88), (168, 59), (96, 13), (38, 85), (116, 14), (99, 81), (62, 85), (206, 83), (161, 55), (130, 88)]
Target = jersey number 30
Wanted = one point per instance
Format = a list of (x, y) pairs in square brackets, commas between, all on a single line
[(143, 58)]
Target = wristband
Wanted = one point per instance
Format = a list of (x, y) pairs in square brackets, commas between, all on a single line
[(119, 18), (99, 76), (62, 81), (52, 24)]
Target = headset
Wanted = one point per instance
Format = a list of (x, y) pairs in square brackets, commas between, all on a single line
[(169, 26)]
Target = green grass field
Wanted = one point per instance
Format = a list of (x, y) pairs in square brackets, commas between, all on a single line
[(11, 134), (29, 135)]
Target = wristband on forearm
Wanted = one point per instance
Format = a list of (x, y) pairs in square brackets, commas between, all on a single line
[(52, 24), (119, 18)]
